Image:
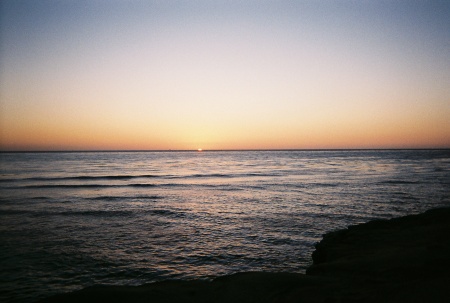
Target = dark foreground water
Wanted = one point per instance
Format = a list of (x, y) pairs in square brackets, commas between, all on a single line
[(70, 220)]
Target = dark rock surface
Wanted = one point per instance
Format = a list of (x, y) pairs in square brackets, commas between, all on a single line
[(404, 259)]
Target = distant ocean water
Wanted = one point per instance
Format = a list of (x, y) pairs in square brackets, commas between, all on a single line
[(71, 220)]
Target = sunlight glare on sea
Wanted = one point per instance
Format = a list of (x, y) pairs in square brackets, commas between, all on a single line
[(71, 220)]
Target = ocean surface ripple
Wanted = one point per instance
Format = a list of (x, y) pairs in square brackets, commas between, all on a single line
[(71, 220)]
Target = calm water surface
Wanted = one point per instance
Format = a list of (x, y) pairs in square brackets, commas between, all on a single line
[(71, 220)]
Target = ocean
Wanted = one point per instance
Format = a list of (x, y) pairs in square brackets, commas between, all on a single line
[(74, 219)]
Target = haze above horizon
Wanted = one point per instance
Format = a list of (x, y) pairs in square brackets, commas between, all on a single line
[(224, 75)]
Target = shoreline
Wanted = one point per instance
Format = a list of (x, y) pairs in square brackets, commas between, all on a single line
[(405, 259)]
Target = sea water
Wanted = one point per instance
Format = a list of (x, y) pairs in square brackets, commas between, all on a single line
[(75, 219)]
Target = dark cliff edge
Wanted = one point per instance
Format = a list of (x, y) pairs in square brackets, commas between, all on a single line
[(404, 259)]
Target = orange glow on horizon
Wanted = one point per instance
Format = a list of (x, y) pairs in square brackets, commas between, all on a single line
[(273, 76), (293, 137)]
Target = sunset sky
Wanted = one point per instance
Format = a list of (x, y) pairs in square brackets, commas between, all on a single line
[(116, 75)]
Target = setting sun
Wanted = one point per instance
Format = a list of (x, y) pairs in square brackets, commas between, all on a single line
[(149, 141)]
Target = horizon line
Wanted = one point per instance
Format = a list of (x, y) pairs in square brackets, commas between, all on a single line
[(221, 150)]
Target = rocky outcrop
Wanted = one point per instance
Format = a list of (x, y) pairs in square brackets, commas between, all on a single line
[(405, 259)]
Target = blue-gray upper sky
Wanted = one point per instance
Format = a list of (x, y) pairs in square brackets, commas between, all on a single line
[(224, 74)]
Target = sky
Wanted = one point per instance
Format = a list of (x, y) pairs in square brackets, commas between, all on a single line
[(157, 75)]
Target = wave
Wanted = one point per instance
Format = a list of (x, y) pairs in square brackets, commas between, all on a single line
[(324, 184), (141, 185), (237, 175), (85, 185), (13, 212), (121, 198), (398, 182), (217, 175), (146, 176), (97, 213), (84, 178), (166, 213), (195, 176), (66, 186), (136, 185), (94, 213), (111, 177)]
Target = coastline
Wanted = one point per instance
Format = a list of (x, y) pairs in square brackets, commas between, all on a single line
[(405, 259)]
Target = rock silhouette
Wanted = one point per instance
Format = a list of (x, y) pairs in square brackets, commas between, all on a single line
[(404, 259)]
